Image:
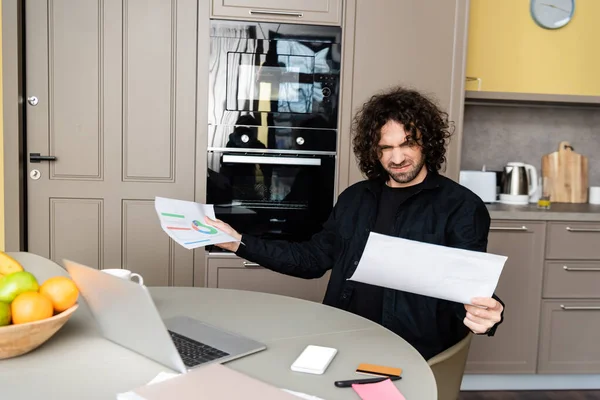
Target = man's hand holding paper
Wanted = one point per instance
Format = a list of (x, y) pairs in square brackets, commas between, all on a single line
[(186, 223), (484, 314), (463, 276)]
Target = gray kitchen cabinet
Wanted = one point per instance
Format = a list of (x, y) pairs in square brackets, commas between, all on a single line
[(231, 272), (569, 279), (320, 12), (569, 337), (573, 240), (570, 315), (386, 45), (513, 349)]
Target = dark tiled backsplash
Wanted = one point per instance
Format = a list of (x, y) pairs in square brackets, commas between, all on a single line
[(496, 135)]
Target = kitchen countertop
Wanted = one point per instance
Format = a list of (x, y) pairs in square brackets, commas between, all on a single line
[(557, 212)]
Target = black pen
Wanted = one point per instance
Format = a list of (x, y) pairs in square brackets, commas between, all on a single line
[(350, 382)]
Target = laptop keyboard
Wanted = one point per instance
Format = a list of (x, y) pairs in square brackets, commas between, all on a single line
[(193, 352)]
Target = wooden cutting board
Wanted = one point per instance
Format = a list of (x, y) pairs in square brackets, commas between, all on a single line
[(568, 175)]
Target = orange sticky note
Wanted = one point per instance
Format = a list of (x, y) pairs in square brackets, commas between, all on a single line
[(384, 390)]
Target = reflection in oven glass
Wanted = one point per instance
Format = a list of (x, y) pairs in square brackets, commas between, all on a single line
[(289, 70), (308, 90), (261, 82), (279, 82), (267, 186)]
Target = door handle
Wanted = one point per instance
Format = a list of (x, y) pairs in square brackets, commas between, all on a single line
[(567, 268), (568, 228), (508, 228), (248, 264), (36, 158), (277, 12), (579, 308)]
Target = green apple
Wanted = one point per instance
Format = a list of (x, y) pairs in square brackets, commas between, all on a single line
[(4, 314), (16, 283)]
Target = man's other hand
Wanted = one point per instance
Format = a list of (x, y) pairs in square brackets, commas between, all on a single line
[(224, 227), (483, 314)]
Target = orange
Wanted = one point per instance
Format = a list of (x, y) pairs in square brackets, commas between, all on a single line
[(61, 291), (29, 307)]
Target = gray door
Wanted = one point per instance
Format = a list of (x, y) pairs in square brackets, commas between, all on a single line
[(116, 92)]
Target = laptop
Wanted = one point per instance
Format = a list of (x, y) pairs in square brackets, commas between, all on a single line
[(127, 315)]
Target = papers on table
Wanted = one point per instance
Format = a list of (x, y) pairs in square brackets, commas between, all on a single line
[(184, 222), (431, 270), (131, 395), (302, 395), (212, 381), (384, 390)]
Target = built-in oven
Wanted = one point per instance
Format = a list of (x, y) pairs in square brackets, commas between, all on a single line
[(273, 126), (275, 196), (287, 72), (279, 193)]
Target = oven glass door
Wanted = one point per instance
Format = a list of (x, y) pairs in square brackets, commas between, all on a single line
[(271, 196), (285, 74), (265, 83)]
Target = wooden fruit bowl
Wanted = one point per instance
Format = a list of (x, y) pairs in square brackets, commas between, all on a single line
[(16, 340)]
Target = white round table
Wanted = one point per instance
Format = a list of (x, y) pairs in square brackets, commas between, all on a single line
[(78, 363)]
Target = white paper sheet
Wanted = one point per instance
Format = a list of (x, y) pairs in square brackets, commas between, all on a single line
[(163, 376), (184, 222), (431, 270)]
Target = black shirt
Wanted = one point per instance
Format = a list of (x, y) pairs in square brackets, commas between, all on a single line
[(443, 212), (367, 300)]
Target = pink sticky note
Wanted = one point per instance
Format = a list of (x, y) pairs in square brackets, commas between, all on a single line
[(384, 390)]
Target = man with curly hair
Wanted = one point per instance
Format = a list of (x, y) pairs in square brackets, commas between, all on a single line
[(399, 139)]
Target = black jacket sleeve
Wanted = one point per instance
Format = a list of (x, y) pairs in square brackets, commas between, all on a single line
[(468, 229), (310, 259)]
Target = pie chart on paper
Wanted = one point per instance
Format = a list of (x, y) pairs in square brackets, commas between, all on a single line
[(200, 227), (182, 221)]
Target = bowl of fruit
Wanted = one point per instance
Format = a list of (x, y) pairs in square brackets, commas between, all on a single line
[(30, 312)]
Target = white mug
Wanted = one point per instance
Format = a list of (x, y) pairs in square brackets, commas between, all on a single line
[(594, 197), (124, 274)]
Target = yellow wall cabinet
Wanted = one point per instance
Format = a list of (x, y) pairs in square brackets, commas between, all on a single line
[(509, 52)]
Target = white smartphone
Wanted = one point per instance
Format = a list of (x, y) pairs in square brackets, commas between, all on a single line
[(314, 359)]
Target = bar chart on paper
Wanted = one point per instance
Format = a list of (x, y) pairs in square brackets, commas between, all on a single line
[(184, 222)]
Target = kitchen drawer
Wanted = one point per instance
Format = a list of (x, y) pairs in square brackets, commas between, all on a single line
[(236, 273), (520, 287), (572, 279), (573, 240), (323, 12), (569, 340)]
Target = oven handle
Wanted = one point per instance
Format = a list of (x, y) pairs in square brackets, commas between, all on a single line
[(239, 159)]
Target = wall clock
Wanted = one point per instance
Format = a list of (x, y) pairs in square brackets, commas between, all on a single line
[(552, 14)]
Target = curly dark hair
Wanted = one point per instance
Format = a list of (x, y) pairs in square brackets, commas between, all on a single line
[(410, 108)]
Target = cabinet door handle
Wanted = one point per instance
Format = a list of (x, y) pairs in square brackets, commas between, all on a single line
[(568, 228), (579, 308), (508, 228), (248, 264), (567, 268), (277, 12)]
